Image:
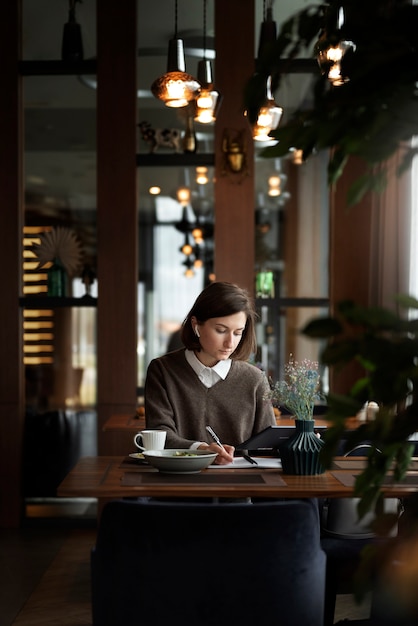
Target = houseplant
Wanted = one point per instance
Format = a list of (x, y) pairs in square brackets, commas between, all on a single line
[(374, 112), (384, 344), (298, 392)]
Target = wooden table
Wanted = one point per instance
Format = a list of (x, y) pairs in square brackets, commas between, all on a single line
[(135, 423), (120, 477), (125, 422)]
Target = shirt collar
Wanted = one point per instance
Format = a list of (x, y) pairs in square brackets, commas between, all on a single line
[(221, 367)]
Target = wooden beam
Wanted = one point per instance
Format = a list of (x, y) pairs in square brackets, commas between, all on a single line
[(117, 211), (234, 192)]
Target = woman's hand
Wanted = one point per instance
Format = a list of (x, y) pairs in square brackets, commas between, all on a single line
[(225, 453)]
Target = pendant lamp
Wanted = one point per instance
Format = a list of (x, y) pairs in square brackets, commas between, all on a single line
[(175, 88), (330, 53), (269, 115), (208, 99)]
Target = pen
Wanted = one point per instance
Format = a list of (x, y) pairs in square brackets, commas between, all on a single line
[(214, 436), (249, 459)]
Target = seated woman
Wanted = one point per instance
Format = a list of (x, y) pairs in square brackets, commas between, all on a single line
[(210, 382)]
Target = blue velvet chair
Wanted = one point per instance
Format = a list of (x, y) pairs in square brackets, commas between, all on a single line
[(208, 564)]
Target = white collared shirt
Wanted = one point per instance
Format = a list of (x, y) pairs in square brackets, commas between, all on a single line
[(209, 376)]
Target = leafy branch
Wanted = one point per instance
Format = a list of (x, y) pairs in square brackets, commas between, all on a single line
[(371, 115)]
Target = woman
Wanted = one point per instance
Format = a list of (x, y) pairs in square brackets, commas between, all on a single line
[(210, 382)]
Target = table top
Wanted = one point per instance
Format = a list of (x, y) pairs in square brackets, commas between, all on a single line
[(136, 422), (121, 477)]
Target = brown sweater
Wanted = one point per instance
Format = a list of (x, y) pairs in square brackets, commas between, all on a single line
[(177, 401)]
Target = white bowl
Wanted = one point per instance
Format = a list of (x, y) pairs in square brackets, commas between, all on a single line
[(179, 461)]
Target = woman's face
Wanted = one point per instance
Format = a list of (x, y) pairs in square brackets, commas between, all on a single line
[(219, 337)]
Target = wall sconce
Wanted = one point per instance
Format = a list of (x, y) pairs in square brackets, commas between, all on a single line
[(234, 153), (208, 99), (268, 117), (175, 88), (330, 53)]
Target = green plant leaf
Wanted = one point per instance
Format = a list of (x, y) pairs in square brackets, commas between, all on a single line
[(322, 328)]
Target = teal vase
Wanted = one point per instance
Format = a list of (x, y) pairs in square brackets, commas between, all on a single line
[(300, 453), (57, 280)]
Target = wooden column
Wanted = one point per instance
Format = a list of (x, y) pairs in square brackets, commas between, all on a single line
[(350, 236), (117, 212), (234, 193), (11, 219)]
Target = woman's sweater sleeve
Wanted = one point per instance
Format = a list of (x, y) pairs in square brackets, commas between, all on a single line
[(159, 412)]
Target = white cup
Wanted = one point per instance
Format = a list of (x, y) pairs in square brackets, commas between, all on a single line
[(150, 439)]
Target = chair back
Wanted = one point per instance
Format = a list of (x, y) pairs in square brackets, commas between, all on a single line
[(208, 564)]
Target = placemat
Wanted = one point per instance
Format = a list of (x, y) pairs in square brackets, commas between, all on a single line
[(353, 464), (348, 479), (211, 478)]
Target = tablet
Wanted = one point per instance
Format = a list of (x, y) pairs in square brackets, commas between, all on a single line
[(270, 437)]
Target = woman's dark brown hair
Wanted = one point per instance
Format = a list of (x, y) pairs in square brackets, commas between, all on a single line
[(220, 299)]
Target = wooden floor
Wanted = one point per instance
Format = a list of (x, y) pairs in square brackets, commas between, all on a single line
[(48, 581), (62, 596)]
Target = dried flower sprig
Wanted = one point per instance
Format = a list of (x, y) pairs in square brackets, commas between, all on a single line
[(300, 388)]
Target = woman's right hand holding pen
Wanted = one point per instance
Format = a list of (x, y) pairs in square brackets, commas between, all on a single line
[(225, 452)]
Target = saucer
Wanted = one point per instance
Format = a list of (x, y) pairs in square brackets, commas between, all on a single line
[(137, 455)]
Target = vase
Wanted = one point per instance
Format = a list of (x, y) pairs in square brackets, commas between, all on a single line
[(300, 453), (57, 280), (189, 137)]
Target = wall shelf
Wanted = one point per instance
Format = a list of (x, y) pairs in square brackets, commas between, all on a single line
[(57, 68), (51, 302), (174, 159)]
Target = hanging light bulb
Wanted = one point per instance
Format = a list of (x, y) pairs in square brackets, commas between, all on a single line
[(186, 248), (198, 262), (330, 55), (197, 234), (188, 263), (175, 88), (274, 186), (202, 175), (183, 195), (208, 99), (269, 116)]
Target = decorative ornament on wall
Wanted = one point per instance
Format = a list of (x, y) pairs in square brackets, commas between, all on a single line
[(235, 163), (60, 243)]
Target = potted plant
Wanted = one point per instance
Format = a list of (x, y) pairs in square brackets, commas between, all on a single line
[(385, 346), (298, 392), (372, 112)]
